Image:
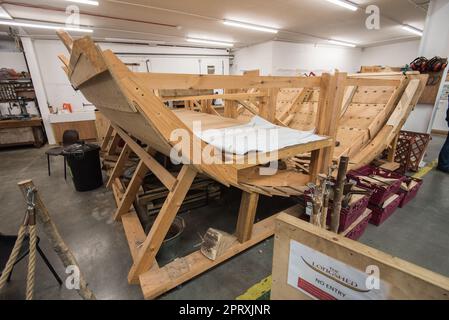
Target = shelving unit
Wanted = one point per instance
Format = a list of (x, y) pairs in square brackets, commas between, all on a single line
[(19, 129)]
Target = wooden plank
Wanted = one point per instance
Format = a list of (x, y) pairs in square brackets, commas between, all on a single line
[(247, 214), (33, 122), (249, 106), (372, 82), (211, 109), (155, 283), (107, 138), (404, 280), (226, 96), (134, 232), (392, 149), (267, 106), (162, 224), (284, 153), (118, 191), (64, 60), (230, 106), (66, 39), (347, 99), (334, 102), (102, 125), (131, 190), (191, 81), (317, 156), (300, 97), (119, 166), (156, 168), (113, 145)]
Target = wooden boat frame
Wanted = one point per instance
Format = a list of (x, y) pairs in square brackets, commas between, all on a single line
[(135, 107)]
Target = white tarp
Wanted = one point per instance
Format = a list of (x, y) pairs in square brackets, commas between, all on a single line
[(257, 135)]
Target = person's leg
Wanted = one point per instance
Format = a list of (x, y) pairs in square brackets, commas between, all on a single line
[(443, 159)]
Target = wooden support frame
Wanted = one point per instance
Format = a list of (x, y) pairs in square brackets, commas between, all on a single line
[(112, 149), (247, 213), (107, 138), (122, 159), (131, 191), (328, 115), (161, 225), (144, 248), (129, 100), (230, 106)]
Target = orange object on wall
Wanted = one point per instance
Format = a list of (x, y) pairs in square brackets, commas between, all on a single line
[(67, 106)]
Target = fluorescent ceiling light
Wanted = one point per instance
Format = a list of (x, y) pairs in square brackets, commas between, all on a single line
[(218, 43), (92, 3), (345, 4), (412, 30), (341, 43), (4, 14), (44, 26), (249, 26), (133, 40)]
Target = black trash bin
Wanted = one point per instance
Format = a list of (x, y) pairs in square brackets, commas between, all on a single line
[(84, 162)]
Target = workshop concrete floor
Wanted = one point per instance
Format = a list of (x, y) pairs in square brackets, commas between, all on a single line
[(417, 233)]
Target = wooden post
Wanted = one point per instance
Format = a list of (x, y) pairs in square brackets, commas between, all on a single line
[(162, 224), (131, 190), (247, 213), (392, 149), (335, 96), (328, 114), (107, 138), (320, 125), (267, 109), (118, 169), (230, 106), (114, 144)]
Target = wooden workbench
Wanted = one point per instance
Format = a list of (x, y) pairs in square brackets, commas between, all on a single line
[(21, 132)]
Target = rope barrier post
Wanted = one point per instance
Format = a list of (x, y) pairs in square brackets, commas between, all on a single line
[(50, 230), (32, 231)]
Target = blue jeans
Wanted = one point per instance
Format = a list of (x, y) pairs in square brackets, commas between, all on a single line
[(443, 159)]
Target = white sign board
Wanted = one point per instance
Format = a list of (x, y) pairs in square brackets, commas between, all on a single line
[(325, 278)]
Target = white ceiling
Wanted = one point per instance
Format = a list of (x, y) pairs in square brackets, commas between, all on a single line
[(172, 21)]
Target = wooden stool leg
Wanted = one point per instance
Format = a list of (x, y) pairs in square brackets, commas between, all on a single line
[(65, 168), (48, 165)]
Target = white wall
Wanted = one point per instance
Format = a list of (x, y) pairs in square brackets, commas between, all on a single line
[(57, 90), (393, 55), (288, 59), (13, 60), (298, 58), (57, 87), (259, 56), (170, 60)]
